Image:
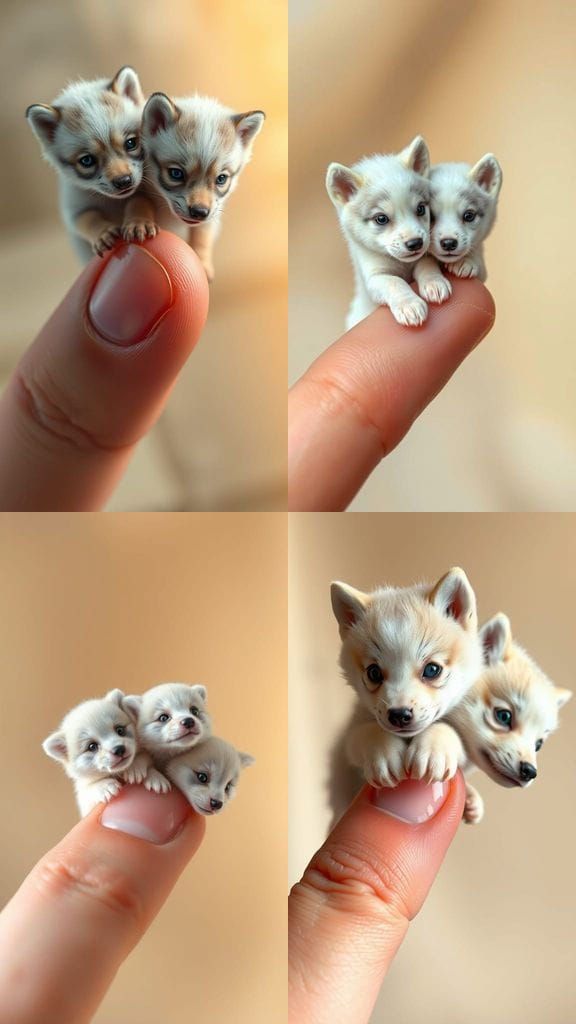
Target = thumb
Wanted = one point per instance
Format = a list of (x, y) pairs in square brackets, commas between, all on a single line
[(87, 903), (97, 376), (351, 910)]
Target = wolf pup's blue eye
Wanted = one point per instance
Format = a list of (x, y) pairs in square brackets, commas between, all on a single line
[(164, 717), (131, 143), (381, 219), (87, 160), (469, 216), (221, 179), (503, 716), (538, 745), (420, 209), (432, 670), (92, 747), (121, 730), (176, 173), (374, 674), (202, 777)]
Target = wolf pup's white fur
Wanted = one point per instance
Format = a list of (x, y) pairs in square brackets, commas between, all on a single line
[(410, 654), (97, 745), (171, 718), (91, 136), (383, 204), (208, 774), (463, 202), (506, 716), (195, 151)]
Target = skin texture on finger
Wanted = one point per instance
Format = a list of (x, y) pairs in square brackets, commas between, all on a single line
[(83, 908), (351, 910), (361, 396), (78, 401)]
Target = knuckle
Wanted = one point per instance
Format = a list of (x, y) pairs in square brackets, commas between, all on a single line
[(51, 416), (100, 886), (355, 879)]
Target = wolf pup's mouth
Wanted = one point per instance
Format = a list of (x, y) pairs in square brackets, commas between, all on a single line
[(499, 771)]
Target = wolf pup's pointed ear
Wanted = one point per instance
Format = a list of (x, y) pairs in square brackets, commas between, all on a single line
[(115, 695), (127, 83), (248, 125), (453, 596), (416, 156), (199, 691), (487, 174), (44, 121), (159, 114), (495, 638), (245, 759), (348, 605), (131, 705), (562, 696), (342, 183), (55, 746)]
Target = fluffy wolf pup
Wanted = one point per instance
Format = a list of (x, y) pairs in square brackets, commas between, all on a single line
[(97, 745), (507, 715), (383, 205), (410, 654), (208, 774), (195, 151), (463, 202), (91, 136)]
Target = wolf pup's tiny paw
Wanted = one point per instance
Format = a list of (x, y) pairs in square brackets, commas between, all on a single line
[(431, 758), (464, 268), (109, 789), (435, 290), (107, 240), (136, 773), (156, 782), (473, 808), (384, 767), (410, 312), (139, 230)]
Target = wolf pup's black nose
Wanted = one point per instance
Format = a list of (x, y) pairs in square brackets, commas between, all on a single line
[(187, 723), (449, 244), (123, 182), (414, 244), (400, 716), (215, 804), (527, 771), (198, 212), (119, 751)]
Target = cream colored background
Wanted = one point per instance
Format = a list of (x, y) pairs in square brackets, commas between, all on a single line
[(221, 443), (495, 941), (92, 602), (473, 77)]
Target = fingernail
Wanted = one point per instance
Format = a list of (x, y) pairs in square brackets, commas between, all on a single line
[(157, 818), (130, 297), (411, 801)]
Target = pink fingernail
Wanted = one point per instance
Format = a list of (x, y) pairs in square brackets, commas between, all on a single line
[(157, 818), (130, 297), (411, 801)]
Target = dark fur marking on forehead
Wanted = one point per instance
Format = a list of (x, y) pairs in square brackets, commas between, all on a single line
[(475, 197), (112, 100), (420, 189)]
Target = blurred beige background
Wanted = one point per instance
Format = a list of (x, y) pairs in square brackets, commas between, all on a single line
[(95, 602), (471, 77), (495, 940), (221, 443)]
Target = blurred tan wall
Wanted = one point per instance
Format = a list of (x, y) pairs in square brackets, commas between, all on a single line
[(88, 603), (221, 443), (471, 77), (495, 941)]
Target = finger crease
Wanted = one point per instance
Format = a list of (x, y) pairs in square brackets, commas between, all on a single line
[(329, 387), (61, 880)]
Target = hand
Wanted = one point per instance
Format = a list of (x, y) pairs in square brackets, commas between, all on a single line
[(88, 902), (359, 398), (351, 910), (98, 375)]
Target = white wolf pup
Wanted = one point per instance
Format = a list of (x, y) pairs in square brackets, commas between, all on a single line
[(97, 745), (195, 151), (383, 204), (208, 774), (506, 716), (171, 718), (410, 654), (91, 135), (463, 202)]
